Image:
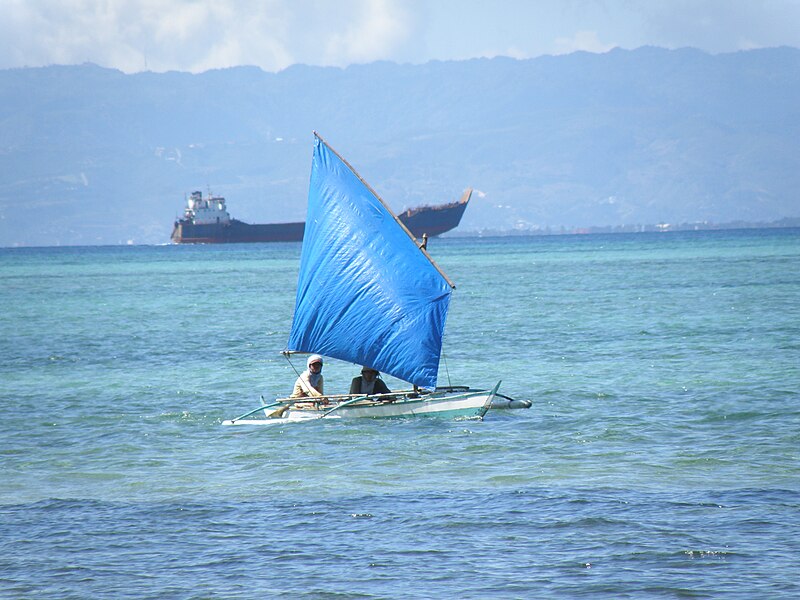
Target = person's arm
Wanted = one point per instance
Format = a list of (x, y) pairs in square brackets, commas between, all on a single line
[(355, 385), (321, 390), (299, 390), (381, 387), (304, 389)]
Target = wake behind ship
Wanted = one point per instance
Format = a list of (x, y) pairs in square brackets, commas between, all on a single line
[(206, 221)]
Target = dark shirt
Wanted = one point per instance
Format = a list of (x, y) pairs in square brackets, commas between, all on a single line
[(380, 386)]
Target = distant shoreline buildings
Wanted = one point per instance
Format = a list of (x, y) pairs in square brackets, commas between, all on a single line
[(785, 223)]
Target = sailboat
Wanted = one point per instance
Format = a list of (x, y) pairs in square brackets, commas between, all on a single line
[(367, 294)]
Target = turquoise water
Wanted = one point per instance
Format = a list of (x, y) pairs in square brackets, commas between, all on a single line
[(660, 457)]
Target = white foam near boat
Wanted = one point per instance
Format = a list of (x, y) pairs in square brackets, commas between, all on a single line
[(368, 294)]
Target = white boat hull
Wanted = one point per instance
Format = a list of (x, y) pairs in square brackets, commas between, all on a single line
[(447, 404)]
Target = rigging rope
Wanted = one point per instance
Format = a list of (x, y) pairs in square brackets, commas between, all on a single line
[(291, 364), (446, 370)]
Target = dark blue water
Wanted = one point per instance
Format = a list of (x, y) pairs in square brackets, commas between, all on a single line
[(660, 457)]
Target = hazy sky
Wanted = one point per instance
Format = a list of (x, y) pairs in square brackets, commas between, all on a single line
[(196, 35)]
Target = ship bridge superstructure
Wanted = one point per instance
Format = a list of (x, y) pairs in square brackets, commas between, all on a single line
[(206, 211)]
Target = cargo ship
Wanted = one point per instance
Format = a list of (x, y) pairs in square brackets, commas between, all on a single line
[(206, 221)]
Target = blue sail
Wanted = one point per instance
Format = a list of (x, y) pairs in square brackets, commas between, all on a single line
[(366, 293)]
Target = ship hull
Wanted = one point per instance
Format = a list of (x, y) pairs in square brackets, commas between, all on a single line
[(236, 232), (433, 221), (430, 220)]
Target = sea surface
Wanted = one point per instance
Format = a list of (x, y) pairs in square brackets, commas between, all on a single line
[(660, 458)]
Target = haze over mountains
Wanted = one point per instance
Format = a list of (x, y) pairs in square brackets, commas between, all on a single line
[(93, 156)]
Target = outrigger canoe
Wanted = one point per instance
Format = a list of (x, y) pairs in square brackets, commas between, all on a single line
[(444, 402)]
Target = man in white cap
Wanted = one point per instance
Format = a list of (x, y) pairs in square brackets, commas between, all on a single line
[(310, 382)]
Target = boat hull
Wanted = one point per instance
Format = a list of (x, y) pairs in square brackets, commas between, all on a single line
[(468, 405), (471, 404)]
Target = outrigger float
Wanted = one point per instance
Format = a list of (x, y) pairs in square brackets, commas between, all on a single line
[(368, 293)]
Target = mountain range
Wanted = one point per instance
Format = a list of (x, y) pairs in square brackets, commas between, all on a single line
[(90, 155)]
